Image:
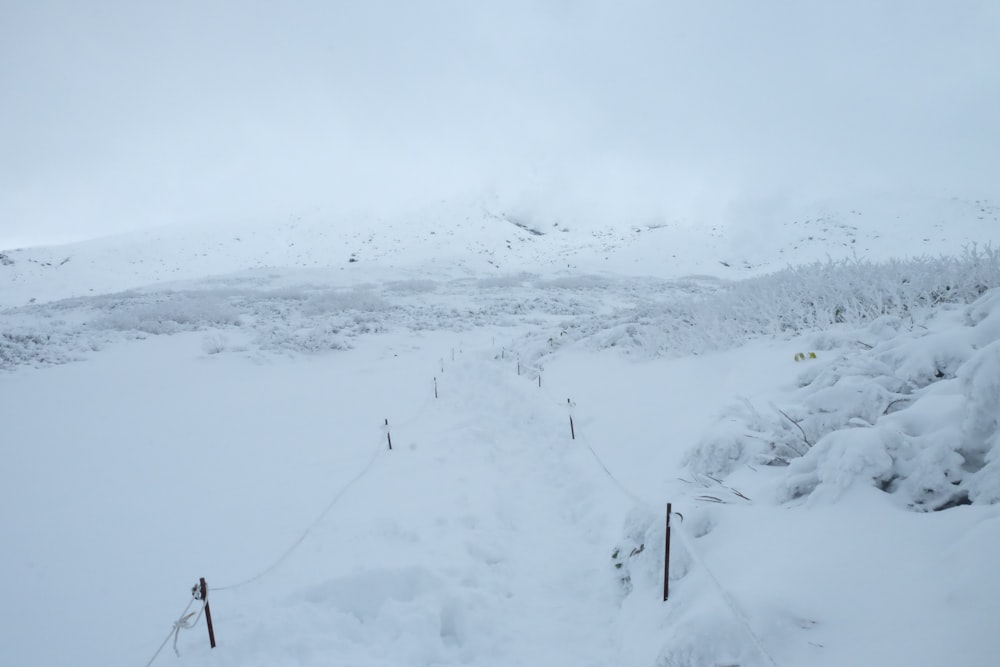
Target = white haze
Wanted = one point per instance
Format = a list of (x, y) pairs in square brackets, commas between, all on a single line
[(122, 115)]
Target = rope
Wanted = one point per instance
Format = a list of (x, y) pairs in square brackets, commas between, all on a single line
[(555, 401), (416, 414), (621, 487), (322, 515), (726, 597), (185, 623), (175, 630), (569, 405)]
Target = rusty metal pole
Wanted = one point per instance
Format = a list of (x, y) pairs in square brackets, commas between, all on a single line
[(666, 559), (208, 612)]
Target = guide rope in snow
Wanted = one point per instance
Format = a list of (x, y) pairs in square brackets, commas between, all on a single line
[(183, 622), (555, 401), (312, 526), (420, 411), (621, 487), (726, 597), (577, 435)]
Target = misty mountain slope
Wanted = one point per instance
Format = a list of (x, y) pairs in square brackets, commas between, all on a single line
[(481, 236)]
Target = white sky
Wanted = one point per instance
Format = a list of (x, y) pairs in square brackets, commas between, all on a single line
[(119, 115)]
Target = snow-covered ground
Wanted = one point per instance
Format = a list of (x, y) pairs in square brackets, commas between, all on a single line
[(193, 403)]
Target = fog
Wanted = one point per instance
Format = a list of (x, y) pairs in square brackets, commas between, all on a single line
[(121, 115)]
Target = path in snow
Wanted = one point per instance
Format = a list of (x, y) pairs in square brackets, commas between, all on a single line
[(483, 538)]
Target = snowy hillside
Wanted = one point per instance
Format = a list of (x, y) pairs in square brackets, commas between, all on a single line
[(221, 404), (483, 236)]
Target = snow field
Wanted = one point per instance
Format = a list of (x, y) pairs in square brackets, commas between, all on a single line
[(477, 546), (458, 547)]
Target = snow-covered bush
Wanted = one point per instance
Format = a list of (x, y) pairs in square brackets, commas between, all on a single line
[(697, 317), (916, 415), (214, 343), (303, 341), (166, 312), (18, 349), (335, 301)]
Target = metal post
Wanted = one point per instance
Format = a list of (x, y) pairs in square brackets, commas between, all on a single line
[(666, 559), (208, 612), (388, 436), (435, 387)]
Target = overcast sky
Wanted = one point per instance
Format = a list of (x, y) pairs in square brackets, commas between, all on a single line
[(119, 115)]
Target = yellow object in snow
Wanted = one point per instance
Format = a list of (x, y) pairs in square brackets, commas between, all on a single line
[(800, 356)]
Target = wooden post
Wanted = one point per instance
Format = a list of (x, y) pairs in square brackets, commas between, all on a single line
[(203, 589), (388, 436), (666, 560)]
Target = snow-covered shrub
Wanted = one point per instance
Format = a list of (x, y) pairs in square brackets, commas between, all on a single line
[(408, 287), (303, 340), (916, 415), (702, 317), (584, 282), (336, 301), (214, 343), (506, 281), (166, 312)]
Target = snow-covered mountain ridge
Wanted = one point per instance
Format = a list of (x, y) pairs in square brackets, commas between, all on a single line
[(482, 237)]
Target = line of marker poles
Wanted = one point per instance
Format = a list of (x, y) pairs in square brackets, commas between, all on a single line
[(202, 587)]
